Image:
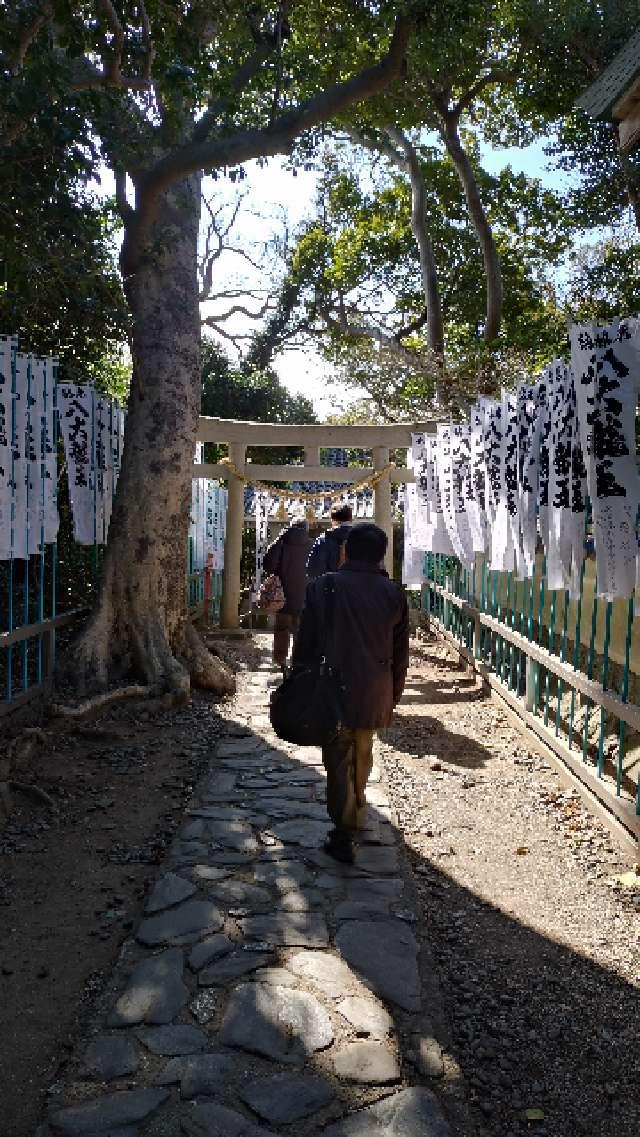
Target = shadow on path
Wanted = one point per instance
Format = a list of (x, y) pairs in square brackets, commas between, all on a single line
[(565, 1045), (427, 738)]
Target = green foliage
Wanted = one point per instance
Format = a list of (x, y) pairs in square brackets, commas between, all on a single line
[(605, 280), (257, 396), (59, 284), (362, 249)]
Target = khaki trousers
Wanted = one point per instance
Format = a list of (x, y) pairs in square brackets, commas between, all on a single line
[(285, 627), (348, 761)]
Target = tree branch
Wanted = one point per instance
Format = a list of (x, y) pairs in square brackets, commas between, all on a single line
[(276, 138), (88, 77), (466, 99), (28, 34), (240, 308), (451, 138), (124, 209), (399, 150), (240, 81)]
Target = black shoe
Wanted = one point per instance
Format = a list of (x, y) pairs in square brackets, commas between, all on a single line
[(340, 846)]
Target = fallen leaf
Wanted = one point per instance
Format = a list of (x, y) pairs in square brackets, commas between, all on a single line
[(521, 850), (629, 879), (534, 1115)]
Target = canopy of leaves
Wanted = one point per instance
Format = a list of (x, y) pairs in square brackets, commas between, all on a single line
[(360, 253), (60, 289), (256, 396)]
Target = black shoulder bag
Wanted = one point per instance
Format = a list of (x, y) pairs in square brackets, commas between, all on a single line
[(307, 706)]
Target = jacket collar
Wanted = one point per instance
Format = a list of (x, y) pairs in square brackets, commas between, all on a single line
[(362, 566)]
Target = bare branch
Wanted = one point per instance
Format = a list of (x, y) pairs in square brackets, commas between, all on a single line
[(240, 308)]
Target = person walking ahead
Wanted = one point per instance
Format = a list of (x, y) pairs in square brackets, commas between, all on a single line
[(369, 646), (287, 558), (325, 554)]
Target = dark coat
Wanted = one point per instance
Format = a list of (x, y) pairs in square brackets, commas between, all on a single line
[(370, 640), (287, 558), (325, 554)]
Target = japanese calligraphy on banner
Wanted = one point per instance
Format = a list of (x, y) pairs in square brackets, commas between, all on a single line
[(263, 505), (92, 429), (28, 474), (525, 467), (430, 524), (606, 364), (566, 493), (208, 520)]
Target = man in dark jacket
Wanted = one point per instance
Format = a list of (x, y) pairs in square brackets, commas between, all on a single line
[(287, 558), (325, 554), (368, 644)]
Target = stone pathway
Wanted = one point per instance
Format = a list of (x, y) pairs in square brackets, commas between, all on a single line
[(267, 988)]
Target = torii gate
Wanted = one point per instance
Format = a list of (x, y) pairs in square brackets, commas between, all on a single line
[(238, 435)]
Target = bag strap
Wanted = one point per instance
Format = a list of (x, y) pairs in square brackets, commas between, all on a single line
[(329, 613)]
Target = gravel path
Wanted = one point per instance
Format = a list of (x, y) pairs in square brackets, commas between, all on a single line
[(485, 984)]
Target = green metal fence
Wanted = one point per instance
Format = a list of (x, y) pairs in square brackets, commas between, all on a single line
[(569, 668)]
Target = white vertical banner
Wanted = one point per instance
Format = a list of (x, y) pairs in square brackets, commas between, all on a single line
[(606, 363), (544, 439), (566, 522), (92, 428), (509, 470), (495, 456), (262, 502), (438, 539), (49, 508), (35, 411), (7, 349), (413, 553), (460, 477), (491, 412), (476, 506), (20, 449), (531, 397), (76, 407)]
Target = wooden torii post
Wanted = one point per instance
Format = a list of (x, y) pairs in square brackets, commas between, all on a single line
[(238, 435)]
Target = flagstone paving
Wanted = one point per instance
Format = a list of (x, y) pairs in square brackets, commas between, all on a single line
[(267, 989)]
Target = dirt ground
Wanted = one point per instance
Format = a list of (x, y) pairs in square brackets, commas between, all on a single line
[(534, 945), (71, 882)]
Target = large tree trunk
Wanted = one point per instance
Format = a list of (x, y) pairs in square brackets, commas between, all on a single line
[(140, 628), (493, 273)]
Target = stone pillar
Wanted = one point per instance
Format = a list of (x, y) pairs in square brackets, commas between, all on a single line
[(233, 541), (382, 506)]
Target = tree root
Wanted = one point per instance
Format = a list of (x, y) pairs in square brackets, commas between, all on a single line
[(36, 792), (206, 670), (20, 749), (100, 702)]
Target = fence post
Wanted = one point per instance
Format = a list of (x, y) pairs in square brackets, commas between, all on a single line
[(531, 682), (477, 633)]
